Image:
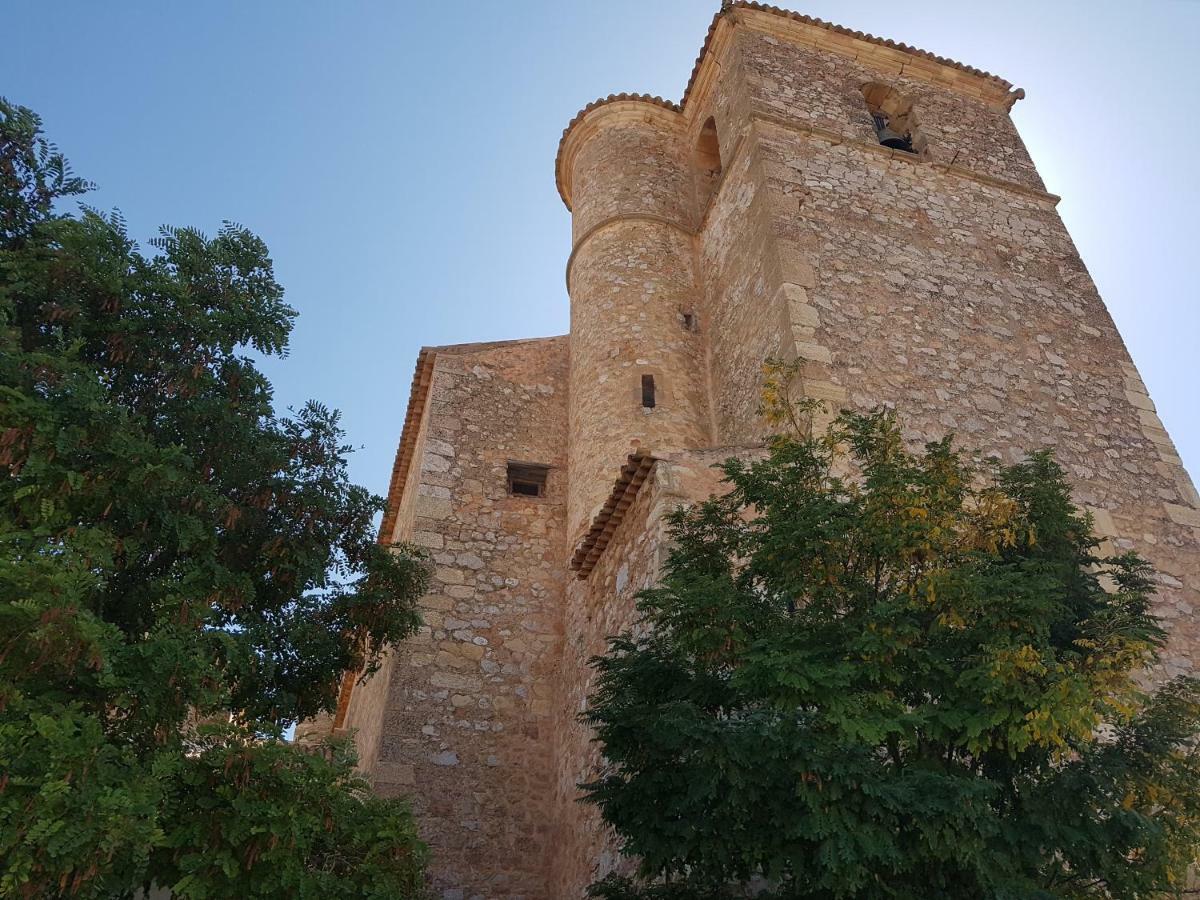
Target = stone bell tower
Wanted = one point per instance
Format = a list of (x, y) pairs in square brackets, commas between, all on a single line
[(819, 195)]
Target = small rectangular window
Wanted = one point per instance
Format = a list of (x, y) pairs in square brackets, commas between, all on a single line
[(689, 321), (648, 391), (527, 479)]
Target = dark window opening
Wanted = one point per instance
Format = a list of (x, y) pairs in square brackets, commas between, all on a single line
[(689, 321), (527, 479), (648, 391)]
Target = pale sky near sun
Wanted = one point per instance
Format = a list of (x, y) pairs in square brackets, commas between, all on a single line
[(397, 157)]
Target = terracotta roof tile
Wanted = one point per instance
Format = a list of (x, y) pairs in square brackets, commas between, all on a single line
[(633, 474)]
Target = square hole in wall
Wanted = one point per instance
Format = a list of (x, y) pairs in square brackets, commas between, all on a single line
[(527, 479)]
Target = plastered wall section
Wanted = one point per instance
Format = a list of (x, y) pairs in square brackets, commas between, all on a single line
[(597, 607), (965, 304), (467, 729)]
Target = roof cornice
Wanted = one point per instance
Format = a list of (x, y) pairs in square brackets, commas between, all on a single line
[(417, 399)]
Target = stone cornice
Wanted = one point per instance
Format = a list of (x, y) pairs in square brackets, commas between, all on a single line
[(417, 399), (633, 474)]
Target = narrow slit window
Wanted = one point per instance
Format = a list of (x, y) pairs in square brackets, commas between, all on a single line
[(648, 391), (688, 320), (527, 479)]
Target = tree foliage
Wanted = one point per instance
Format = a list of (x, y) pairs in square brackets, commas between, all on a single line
[(869, 672), (173, 555)]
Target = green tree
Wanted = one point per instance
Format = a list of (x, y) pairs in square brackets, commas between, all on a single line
[(183, 572), (869, 672)]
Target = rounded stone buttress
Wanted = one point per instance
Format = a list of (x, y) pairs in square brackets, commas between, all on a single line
[(636, 354)]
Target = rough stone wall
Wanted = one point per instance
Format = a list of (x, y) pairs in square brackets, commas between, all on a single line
[(753, 308), (966, 305), (805, 85), (743, 314), (468, 727), (368, 703), (631, 160), (598, 607)]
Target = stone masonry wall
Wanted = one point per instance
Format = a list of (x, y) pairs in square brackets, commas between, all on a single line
[(806, 86), (368, 703), (631, 286), (633, 283), (468, 727), (942, 283), (966, 305), (743, 313), (598, 607)]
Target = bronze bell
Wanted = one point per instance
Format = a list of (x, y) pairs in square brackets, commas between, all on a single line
[(895, 140)]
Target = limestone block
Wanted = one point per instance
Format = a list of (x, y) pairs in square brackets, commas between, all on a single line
[(813, 351), (430, 539), (432, 507), (795, 269), (1102, 522), (386, 773), (1139, 400), (1183, 515), (446, 575)]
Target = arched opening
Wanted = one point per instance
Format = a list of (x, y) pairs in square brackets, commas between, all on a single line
[(706, 162), (894, 119)]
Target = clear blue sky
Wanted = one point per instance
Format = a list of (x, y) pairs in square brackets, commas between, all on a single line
[(397, 157)]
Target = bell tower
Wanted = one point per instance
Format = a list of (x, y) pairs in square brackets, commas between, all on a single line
[(861, 208), (867, 211)]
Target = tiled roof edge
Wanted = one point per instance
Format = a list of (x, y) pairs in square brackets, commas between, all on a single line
[(417, 398), (596, 104), (633, 474)]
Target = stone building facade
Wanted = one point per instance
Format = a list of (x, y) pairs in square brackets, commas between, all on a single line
[(820, 195)]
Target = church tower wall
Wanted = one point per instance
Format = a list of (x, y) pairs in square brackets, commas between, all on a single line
[(763, 216), (944, 282), (745, 313)]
